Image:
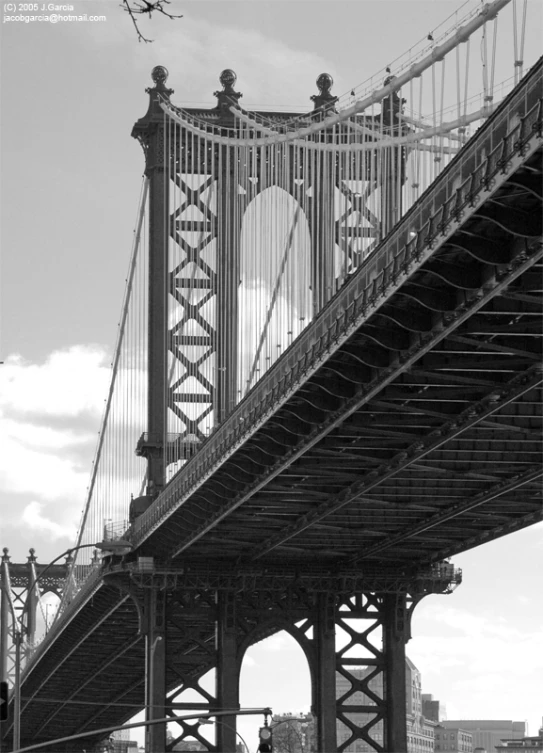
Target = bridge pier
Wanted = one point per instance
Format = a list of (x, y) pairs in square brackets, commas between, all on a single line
[(228, 670), (324, 683), (353, 638), (395, 636), (155, 668)]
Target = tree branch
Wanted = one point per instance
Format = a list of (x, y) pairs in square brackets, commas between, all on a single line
[(141, 7)]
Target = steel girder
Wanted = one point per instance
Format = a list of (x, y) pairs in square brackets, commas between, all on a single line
[(92, 673)]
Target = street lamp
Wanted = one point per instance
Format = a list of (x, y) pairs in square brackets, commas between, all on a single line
[(202, 720), (119, 546)]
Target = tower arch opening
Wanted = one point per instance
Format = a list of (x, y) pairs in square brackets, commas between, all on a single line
[(275, 673)]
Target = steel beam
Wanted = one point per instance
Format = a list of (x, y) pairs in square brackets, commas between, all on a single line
[(155, 669), (324, 673), (395, 625), (228, 669)]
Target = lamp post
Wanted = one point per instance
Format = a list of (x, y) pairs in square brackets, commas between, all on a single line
[(18, 627), (202, 720)]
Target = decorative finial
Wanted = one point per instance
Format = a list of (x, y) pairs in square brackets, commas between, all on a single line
[(325, 83), (158, 94), (227, 97), (324, 99), (159, 74), (228, 78)]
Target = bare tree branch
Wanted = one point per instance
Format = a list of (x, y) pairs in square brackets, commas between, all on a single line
[(141, 7)]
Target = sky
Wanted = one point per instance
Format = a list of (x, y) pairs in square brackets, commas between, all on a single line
[(71, 177)]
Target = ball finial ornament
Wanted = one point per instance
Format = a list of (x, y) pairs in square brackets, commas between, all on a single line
[(325, 83), (228, 78), (159, 74)]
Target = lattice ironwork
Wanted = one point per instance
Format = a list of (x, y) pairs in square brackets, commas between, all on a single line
[(21, 600)]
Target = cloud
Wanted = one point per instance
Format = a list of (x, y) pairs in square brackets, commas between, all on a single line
[(38, 471), (455, 636), (45, 448), (46, 438), (49, 416), (33, 517), (468, 660), (70, 382)]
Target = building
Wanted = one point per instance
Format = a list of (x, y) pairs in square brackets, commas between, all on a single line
[(524, 745), (453, 740), (488, 733), (420, 732), (120, 742), (293, 733), (432, 709), (533, 744)]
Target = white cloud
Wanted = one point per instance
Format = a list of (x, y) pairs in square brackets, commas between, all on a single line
[(49, 419), (472, 661), (39, 472), (34, 518), (46, 438), (46, 441), (71, 382)]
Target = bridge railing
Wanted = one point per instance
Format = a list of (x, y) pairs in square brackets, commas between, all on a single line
[(507, 133)]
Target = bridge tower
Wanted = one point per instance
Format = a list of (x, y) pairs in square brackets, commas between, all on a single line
[(193, 308), (20, 600)]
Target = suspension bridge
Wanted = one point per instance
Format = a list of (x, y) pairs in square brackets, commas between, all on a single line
[(326, 384)]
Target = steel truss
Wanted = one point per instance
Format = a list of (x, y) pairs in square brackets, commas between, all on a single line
[(16, 582), (199, 621), (227, 185)]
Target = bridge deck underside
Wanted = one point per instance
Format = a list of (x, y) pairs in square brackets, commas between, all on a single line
[(419, 437), (105, 645)]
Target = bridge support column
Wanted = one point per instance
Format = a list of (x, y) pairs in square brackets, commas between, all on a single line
[(324, 703), (228, 280), (4, 627), (227, 676), (155, 669), (395, 634), (158, 312), (322, 228), (157, 143)]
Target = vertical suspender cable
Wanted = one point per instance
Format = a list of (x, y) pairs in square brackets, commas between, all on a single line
[(88, 511)]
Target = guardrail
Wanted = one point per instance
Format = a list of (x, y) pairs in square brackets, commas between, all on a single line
[(510, 132)]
